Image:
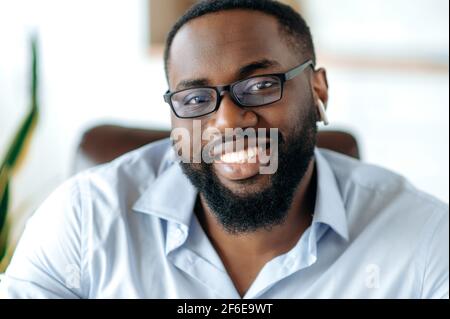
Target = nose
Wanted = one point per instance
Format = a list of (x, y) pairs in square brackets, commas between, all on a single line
[(230, 115)]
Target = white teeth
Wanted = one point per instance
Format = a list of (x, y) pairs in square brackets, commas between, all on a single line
[(252, 152), (240, 157)]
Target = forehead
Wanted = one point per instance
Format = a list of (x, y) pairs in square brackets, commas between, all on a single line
[(216, 45)]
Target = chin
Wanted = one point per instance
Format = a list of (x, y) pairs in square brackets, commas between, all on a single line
[(247, 187)]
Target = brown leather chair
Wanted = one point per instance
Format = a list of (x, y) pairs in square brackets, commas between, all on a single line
[(104, 143)]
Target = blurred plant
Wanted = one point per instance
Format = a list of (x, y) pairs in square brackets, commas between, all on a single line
[(15, 154)]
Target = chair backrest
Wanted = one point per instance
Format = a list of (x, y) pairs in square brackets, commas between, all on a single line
[(104, 143)]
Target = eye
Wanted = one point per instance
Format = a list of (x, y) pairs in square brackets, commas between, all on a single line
[(195, 100), (259, 85)]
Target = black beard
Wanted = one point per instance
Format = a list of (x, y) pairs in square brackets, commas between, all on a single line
[(245, 213)]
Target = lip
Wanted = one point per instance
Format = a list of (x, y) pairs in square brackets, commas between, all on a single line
[(237, 172)]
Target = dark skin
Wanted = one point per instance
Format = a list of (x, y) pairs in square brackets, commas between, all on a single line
[(218, 46)]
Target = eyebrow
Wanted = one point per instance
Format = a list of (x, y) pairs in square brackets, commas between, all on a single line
[(255, 66), (243, 72)]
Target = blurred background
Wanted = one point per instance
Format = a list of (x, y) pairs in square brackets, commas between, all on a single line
[(101, 62)]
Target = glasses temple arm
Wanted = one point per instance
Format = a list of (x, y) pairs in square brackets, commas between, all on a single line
[(298, 70)]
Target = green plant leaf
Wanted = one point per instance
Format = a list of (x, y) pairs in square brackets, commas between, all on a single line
[(16, 148), (21, 135), (19, 140), (4, 181), (4, 201)]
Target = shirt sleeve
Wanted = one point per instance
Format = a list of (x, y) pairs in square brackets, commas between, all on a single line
[(436, 277), (47, 260)]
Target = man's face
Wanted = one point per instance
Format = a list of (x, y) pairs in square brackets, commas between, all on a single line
[(213, 50)]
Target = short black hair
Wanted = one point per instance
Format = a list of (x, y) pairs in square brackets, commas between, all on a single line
[(291, 23)]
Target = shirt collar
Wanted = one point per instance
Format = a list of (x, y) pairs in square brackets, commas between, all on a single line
[(172, 197), (329, 207)]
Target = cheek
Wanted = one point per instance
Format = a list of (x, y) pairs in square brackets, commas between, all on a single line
[(283, 116), (289, 115), (295, 107)]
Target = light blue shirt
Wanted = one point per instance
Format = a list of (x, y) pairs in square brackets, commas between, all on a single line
[(127, 230)]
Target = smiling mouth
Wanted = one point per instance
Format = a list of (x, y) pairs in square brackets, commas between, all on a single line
[(250, 151), (240, 160), (248, 155)]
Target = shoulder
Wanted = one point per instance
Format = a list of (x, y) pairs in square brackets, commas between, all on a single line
[(123, 180), (380, 200), (138, 166), (373, 184), (393, 223), (99, 198)]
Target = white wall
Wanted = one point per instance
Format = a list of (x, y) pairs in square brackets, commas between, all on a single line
[(95, 67), (399, 112), (374, 28)]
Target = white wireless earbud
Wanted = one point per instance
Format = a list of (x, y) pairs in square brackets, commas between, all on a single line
[(322, 112)]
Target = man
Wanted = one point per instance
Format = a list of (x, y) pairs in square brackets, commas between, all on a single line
[(154, 225)]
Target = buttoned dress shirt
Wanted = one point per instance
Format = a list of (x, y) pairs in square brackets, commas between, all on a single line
[(127, 229)]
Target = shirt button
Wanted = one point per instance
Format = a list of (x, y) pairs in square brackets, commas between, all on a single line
[(178, 235), (290, 262)]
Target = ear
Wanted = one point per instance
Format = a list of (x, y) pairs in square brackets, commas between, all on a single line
[(320, 86)]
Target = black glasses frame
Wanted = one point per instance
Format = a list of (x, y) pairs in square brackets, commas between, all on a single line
[(283, 77)]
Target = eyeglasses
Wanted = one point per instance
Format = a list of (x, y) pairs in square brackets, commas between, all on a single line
[(255, 91)]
